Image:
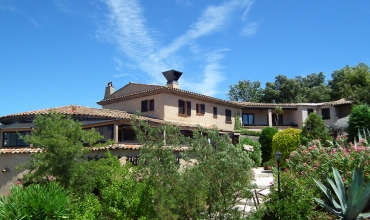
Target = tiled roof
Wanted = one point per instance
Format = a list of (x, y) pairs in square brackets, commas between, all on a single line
[(24, 150), (81, 111), (129, 147), (166, 89), (337, 102), (110, 147)]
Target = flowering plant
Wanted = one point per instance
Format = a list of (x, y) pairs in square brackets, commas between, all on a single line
[(316, 161)]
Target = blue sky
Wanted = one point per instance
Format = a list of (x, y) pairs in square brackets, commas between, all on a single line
[(62, 52)]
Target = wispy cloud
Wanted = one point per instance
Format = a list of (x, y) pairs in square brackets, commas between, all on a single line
[(250, 29), (128, 29), (212, 74)]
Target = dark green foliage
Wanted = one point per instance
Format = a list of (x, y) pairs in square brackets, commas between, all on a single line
[(359, 119), (256, 154), (213, 172), (49, 201), (315, 129), (238, 122), (61, 141), (265, 140), (352, 83), (295, 200), (245, 91)]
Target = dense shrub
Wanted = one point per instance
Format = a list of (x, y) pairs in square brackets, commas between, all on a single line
[(315, 129), (49, 201), (265, 140), (317, 161), (285, 141), (358, 119), (256, 154), (294, 201)]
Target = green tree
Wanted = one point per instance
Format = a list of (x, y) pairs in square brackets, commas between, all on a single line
[(278, 111), (245, 91), (265, 140), (213, 172), (61, 142), (314, 128), (283, 90), (314, 88), (352, 83), (358, 120)]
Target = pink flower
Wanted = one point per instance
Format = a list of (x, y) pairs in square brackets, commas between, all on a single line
[(19, 181), (51, 178)]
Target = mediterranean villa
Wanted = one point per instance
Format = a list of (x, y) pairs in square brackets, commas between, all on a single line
[(158, 105)]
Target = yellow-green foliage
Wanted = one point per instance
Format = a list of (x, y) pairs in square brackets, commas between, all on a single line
[(285, 141)]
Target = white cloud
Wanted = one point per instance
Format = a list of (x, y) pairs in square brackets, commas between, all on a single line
[(128, 29), (212, 74), (250, 29)]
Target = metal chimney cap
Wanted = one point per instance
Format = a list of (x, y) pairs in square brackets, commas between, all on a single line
[(172, 76)]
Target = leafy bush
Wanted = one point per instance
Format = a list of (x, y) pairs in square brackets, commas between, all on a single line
[(214, 173), (256, 154), (285, 141), (314, 129), (265, 140), (294, 201), (49, 201), (358, 120), (316, 161)]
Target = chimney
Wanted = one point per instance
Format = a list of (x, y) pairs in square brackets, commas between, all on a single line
[(172, 77), (109, 90)]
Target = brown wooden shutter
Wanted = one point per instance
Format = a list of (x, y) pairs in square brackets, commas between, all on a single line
[(144, 106), (202, 109), (181, 107), (188, 108), (151, 105)]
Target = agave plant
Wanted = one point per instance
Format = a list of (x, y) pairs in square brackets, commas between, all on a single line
[(349, 207)]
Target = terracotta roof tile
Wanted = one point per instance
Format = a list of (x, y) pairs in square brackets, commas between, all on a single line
[(25, 150), (166, 89)]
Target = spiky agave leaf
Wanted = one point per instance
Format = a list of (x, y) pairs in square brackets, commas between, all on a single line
[(358, 196)]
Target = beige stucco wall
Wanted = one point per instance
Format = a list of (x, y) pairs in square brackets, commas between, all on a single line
[(10, 177), (172, 109), (260, 116), (134, 105)]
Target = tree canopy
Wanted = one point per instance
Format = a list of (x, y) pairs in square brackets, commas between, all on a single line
[(352, 83)]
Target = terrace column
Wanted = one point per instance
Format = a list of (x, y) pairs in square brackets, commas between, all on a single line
[(115, 133), (269, 114)]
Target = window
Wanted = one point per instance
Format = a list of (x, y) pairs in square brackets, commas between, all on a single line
[(214, 112), (13, 139), (147, 105), (125, 133), (325, 112), (248, 119), (201, 109), (274, 119), (106, 132), (184, 108), (228, 116), (309, 111)]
